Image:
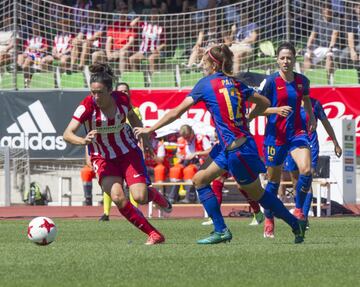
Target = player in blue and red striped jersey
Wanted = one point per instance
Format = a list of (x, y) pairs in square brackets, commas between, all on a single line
[(114, 153), (286, 130), (290, 164), (225, 99)]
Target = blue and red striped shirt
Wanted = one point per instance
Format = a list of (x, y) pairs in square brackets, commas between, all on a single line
[(280, 130), (225, 99)]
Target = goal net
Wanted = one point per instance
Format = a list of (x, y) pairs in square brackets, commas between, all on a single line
[(53, 44)]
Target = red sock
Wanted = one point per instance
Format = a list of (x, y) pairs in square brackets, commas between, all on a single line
[(134, 215), (253, 204), (217, 187), (155, 196)]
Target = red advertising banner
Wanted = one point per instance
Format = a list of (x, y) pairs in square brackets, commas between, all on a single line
[(342, 103)]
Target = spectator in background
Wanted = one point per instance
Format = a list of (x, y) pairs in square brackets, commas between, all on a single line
[(153, 42), (7, 35), (191, 152), (89, 40), (62, 46), (203, 42), (352, 52), (120, 40), (242, 46), (326, 30), (34, 56)]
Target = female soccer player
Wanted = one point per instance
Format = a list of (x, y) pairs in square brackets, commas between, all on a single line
[(120, 87), (113, 149), (290, 164), (225, 98), (286, 131)]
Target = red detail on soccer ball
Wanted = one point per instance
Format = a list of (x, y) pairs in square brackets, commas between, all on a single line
[(47, 225), (29, 230)]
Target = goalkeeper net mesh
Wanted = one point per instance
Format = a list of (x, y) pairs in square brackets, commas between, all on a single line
[(45, 45)]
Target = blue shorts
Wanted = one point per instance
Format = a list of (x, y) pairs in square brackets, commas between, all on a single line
[(243, 162), (275, 154), (290, 165)]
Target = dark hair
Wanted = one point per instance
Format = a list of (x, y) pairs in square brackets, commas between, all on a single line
[(122, 84), (223, 57), (102, 73), (286, 46)]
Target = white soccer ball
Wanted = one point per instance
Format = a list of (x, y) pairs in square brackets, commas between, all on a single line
[(42, 230)]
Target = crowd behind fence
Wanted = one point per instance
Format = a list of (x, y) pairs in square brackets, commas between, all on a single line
[(46, 45)]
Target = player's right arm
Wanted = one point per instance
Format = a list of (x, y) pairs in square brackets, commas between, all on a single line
[(71, 137), (261, 104)]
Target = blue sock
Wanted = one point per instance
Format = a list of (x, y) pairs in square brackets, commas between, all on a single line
[(212, 207), (307, 203), (271, 202), (302, 188), (273, 188)]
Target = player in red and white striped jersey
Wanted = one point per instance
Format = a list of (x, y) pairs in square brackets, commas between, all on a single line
[(113, 149)]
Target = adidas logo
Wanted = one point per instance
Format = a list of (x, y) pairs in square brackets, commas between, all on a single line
[(37, 122)]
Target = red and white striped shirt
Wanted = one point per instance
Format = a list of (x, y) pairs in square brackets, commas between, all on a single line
[(152, 36), (62, 42), (33, 44), (115, 137)]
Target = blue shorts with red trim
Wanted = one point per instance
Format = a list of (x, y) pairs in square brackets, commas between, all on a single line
[(275, 154), (243, 162), (290, 165)]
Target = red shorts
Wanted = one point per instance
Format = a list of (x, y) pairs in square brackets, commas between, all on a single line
[(130, 167)]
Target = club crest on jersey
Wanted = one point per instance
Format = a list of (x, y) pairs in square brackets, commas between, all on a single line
[(300, 86)]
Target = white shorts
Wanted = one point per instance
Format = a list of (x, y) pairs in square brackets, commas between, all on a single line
[(320, 54)]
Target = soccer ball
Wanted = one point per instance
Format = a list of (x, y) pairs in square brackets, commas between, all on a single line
[(42, 230)]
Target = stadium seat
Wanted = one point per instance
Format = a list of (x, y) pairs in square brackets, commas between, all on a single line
[(163, 80), (177, 57), (346, 77), (190, 79), (42, 81), (133, 79), (6, 81), (317, 77), (73, 81)]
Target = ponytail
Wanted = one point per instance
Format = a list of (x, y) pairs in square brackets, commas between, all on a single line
[(102, 73), (222, 56)]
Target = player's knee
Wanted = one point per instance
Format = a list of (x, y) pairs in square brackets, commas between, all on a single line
[(118, 198), (198, 180), (140, 198)]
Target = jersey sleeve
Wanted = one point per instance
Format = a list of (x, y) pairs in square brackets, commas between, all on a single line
[(265, 88), (122, 99), (197, 92), (84, 110)]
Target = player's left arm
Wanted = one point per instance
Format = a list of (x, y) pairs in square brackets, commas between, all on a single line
[(309, 110), (330, 131)]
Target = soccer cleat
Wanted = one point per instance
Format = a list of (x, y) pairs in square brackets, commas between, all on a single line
[(300, 233), (155, 238), (269, 228), (207, 222), (257, 219), (169, 208), (298, 213), (104, 217), (217, 237)]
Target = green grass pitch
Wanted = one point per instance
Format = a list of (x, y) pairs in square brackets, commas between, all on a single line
[(91, 253)]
